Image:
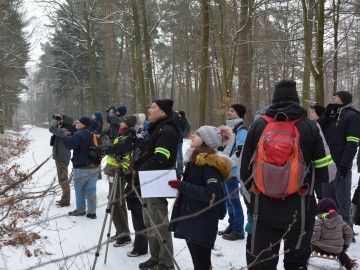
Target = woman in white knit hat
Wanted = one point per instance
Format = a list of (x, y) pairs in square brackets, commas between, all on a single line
[(199, 193)]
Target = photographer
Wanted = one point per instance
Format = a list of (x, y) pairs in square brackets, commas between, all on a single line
[(60, 126), (114, 117)]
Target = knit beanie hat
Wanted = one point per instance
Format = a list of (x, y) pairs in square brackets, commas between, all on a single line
[(98, 115), (129, 120), (285, 91), (165, 105), (324, 205), (122, 110), (319, 110), (240, 109), (345, 97), (215, 137), (86, 121)]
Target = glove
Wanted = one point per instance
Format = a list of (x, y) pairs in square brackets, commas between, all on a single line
[(345, 247), (343, 171), (99, 151), (174, 183), (238, 151), (111, 108)]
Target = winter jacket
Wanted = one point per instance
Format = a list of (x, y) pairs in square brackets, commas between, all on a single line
[(60, 152), (342, 133), (160, 147), (114, 121), (331, 233), (200, 186), (314, 149), (237, 141), (80, 143)]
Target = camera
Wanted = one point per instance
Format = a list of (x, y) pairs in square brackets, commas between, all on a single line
[(57, 117)]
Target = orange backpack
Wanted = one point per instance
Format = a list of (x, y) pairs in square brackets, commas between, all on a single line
[(279, 168)]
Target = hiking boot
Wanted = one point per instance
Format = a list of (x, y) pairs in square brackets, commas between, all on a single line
[(113, 238), (163, 267), (148, 265), (92, 216), (77, 213), (228, 230), (122, 242), (62, 204), (134, 253), (234, 236)]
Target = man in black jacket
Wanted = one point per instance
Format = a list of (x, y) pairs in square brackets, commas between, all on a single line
[(158, 153), (285, 218), (340, 125)]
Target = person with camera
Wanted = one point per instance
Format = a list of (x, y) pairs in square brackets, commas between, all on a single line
[(60, 126), (114, 117), (85, 172)]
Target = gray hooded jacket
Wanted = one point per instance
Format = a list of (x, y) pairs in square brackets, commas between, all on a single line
[(60, 152), (331, 233)]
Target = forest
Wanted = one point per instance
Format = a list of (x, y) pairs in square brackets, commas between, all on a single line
[(203, 54)]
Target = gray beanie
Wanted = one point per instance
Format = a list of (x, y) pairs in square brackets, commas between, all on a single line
[(211, 136)]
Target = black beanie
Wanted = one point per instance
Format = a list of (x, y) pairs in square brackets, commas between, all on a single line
[(129, 120), (166, 105), (240, 109), (345, 97), (319, 110), (285, 91), (86, 121)]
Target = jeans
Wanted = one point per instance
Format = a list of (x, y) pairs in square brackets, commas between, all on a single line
[(180, 159), (233, 205), (85, 185), (340, 191)]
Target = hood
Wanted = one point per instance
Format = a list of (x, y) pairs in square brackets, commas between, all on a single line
[(331, 221), (291, 109), (221, 162), (164, 121)]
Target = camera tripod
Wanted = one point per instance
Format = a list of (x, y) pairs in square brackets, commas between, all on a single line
[(109, 210)]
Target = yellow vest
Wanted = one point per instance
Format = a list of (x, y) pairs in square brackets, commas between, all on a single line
[(125, 162)]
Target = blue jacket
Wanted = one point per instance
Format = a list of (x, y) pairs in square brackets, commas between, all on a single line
[(201, 185), (80, 143)]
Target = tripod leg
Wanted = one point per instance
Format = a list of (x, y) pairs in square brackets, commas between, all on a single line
[(153, 226), (112, 200), (107, 211)]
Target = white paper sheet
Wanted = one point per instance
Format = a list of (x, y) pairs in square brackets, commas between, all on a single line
[(154, 184)]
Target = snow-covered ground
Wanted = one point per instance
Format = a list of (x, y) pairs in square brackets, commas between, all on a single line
[(65, 236)]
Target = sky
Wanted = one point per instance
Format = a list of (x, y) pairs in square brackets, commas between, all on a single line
[(63, 235)]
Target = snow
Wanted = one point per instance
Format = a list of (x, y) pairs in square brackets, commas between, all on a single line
[(64, 236)]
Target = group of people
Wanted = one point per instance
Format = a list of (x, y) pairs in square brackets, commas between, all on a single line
[(218, 159)]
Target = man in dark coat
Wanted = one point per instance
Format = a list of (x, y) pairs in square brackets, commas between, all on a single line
[(158, 153), (340, 125), (281, 218), (60, 126)]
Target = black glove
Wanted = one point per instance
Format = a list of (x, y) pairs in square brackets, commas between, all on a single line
[(343, 171), (99, 151), (345, 247), (238, 151)]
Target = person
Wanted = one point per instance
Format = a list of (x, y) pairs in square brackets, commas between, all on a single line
[(158, 153), (113, 118), (355, 201), (96, 122), (274, 216), (332, 235), (182, 122), (340, 126), (316, 111), (206, 170), (85, 173), (118, 159), (60, 126), (235, 229)]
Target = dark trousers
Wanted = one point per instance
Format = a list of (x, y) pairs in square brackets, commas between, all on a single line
[(271, 232), (200, 255), (141, 241)]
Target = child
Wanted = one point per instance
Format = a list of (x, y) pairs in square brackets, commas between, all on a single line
[(204, 174), (332, 235)]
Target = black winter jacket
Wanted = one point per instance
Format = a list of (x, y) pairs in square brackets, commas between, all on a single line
[(342, 133), (201, 184), (313, 147)]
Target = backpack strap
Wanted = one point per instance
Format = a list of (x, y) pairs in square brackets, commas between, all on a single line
[(236, 129)]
